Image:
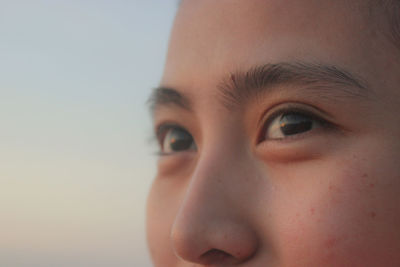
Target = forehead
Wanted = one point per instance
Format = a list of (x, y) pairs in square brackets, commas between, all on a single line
[(210, 37)]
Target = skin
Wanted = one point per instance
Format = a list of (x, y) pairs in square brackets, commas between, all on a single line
[(325, 197)]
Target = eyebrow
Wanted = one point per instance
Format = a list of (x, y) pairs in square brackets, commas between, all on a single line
[(326, 81), (165, 96)]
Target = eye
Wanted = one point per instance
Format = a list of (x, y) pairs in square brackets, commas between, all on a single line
[(290, 123), (174, 139)]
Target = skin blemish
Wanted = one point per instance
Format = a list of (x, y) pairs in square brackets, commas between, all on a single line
[(372, 215), (371, 185), (312, 211), (334, 188), (330, 243), (233, 78)]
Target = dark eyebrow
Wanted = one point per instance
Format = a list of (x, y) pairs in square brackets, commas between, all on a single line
[(163, 96), (322, 80), (325, 81)]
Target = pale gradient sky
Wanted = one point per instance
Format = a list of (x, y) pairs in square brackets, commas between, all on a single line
[(75, 162)]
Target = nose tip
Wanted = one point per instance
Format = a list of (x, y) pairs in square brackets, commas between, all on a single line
[(213, 225), (214, 242)]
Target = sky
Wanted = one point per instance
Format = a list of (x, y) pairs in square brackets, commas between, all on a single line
[(76, 162)]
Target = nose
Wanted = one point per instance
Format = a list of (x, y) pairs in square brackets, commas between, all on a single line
[(211, 227)]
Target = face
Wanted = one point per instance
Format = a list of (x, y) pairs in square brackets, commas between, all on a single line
[(278, 127)]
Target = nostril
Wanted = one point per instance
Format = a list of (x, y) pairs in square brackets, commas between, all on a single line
[(216, 256)]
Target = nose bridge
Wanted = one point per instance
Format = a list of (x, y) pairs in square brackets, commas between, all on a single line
[(210, 227)]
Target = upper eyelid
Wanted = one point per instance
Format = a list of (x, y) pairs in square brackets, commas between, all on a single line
[(166, 126), (279, 112), (162, 128), (309, 110), (159, 129)]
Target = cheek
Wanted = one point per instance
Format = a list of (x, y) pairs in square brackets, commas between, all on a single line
[(345, 216)]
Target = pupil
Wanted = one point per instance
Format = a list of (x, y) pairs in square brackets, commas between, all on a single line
[(180, 141), (295, 123)]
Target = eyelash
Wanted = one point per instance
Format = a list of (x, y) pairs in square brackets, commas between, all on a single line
[(163, 129), (162, 132), (291, 109)]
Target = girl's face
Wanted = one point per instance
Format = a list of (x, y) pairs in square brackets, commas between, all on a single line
[(279, 137)]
